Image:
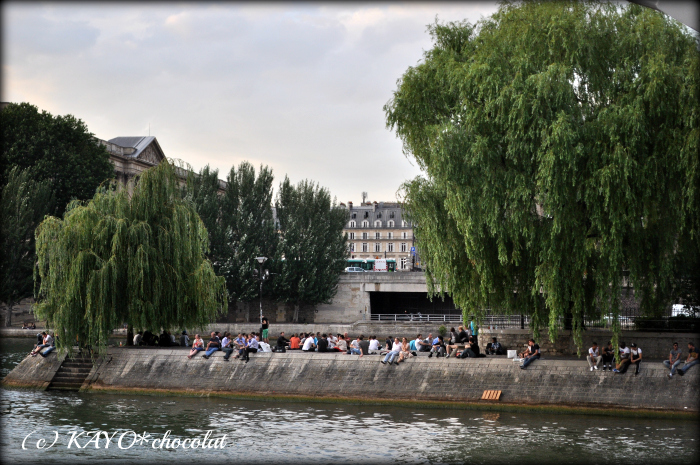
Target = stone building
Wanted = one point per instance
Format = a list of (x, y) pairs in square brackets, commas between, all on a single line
[(380, 230), (132, 156)]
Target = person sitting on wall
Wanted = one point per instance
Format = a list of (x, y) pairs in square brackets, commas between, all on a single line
[(137, 338), (608, 356), (624, 359), (394, 354), (213, 345), (374, 346), (364, 345), (323, 343), (24, 326), (40, 345), (405, 350), (452, 346), (164, 340), (228, 345), (471, 349), (309, 345), (197, 346), (494, 347), (594, 356), (424, 345), (355, 347), (438, 347), (690, 361), (674, 359), (462, 336), (252, 347), (32, 325), (184, 339), (532, 354), (342, 345), (282, 343), (51, 345), (635, 357), (294, 342)]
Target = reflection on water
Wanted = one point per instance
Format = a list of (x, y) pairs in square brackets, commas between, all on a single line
[(287, 432)]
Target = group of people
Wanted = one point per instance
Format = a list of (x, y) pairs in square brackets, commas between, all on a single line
[(632, 356), (243, 344), (30, 325)]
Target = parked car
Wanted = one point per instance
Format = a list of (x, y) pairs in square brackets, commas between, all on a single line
[(354, 269)]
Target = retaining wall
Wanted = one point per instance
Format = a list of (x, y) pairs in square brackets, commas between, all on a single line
[(547, 381)]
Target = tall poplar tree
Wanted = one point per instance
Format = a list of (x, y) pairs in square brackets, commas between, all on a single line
[(117, 259), (559, 144), (312, 249)]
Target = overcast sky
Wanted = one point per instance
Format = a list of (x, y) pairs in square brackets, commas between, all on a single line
[(298, 87)]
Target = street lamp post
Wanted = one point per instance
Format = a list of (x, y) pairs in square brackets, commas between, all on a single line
[(262, 277)]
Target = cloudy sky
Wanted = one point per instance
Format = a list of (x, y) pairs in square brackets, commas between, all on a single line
[(299, 87)]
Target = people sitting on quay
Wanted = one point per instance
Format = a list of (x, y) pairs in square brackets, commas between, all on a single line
[(494, 347), (471, 349), (252, 346), (531, 354), (451, 345), (213, 345), (364, 345), (228, 345), (674, 359), (355, 346), (462, 336), (197, 346), (322, 345), (608, 356), (394, 353), (424, 345), (389, 343), (342, 344), (624, 359), (594, 356), (692, 359), (137, 338)]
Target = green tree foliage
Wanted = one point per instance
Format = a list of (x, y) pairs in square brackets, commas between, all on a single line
[(312, 249), (239, 222), (559, 142), (117, 259), (59, 149), (23, 204)]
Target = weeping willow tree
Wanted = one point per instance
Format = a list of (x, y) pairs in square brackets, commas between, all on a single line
[(117, 259), (559, 145)]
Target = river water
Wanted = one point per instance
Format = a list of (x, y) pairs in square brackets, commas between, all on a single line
[(309, 433)]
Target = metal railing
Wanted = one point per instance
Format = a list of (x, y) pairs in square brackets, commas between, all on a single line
[(416, 317)]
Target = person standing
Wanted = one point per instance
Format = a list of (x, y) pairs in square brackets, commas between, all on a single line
[(594, 356), (264, 329), (674, 359)]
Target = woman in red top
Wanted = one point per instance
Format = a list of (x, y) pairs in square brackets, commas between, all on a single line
[(294, 343)]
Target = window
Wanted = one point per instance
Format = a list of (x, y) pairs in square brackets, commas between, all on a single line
[(404, 262), (404, 224), (352, 236), (390, 247), (377, 235), (391, 214), (390, 235), (366, 214), (403, 247), (379, 215), (364, 247), (352, 247), (390, 224), (377, 224), (404, 235), (365, 224), (354, 215), (364, 235), (377, 246), (352, 224)]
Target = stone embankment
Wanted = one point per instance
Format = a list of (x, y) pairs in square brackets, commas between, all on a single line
[(550, 382)]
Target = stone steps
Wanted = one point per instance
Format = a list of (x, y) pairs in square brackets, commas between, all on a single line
[(71, 375)]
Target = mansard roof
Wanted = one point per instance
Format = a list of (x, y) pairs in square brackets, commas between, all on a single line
[(144, 147)]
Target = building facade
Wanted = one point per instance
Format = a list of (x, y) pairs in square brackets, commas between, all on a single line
[(380, 230)]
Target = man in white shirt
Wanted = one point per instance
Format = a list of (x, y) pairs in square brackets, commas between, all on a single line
[(137, 338), (624, 359), (373, 345), (355, 347), (394, 354), (309, 345), (594, 356)]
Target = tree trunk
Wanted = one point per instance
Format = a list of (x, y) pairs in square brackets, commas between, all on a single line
[(296, 313), (247, 312), (8, 315), (130, 335)]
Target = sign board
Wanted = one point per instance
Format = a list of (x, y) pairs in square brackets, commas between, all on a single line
[(380, 265)]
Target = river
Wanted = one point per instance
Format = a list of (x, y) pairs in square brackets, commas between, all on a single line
[(309, 433)]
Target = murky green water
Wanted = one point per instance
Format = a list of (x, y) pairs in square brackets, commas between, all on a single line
[(306, 433)]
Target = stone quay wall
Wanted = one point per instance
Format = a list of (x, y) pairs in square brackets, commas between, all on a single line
[(546, 382)]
